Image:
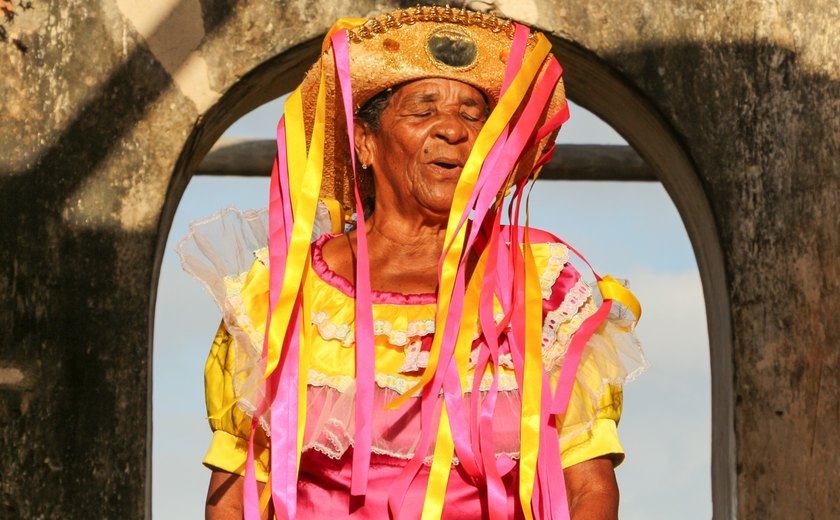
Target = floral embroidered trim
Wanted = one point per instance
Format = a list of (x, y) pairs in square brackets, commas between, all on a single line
[(394, 382), (415, 358), (344, 332), (339, 382), (505, 360), (554, 350), (576, 297), (400, 338), (329, 330), (558, 257), (507, 382)]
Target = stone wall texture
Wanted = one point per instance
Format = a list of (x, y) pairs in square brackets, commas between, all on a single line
[(106, 107)]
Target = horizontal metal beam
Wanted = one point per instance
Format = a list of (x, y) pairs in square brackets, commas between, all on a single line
[(571, 162)]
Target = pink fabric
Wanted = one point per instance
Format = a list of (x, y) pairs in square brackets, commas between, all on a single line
[(324, 491)]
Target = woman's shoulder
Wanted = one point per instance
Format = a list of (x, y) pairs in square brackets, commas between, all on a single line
[(337, 253)]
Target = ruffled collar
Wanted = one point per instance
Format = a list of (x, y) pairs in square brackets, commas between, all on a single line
[(330, 277)]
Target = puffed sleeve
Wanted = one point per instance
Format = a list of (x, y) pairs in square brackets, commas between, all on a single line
[(230, 424), (232, 377), (611, 357), (227, 254), (598, 439)]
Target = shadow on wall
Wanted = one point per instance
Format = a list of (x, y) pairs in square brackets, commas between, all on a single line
[(77, 323)]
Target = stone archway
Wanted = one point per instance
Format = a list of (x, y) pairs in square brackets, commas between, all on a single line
[(595, 86)]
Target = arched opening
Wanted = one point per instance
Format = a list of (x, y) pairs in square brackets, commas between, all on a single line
[(595, 87)]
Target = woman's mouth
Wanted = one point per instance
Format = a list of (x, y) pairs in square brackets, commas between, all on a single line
[(448, 167)]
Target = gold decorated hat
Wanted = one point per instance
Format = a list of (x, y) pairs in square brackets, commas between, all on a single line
[(405, 45)]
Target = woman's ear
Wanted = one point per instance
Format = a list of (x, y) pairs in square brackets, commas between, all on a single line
[(364, 143)]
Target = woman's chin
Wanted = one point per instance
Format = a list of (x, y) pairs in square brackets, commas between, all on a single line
[(440, 206)]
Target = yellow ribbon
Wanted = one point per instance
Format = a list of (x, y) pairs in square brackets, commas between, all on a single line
[(613, 290), (441, 468), (531, 390), (342, 23), (265, 496), (336, 215), (305, 186)]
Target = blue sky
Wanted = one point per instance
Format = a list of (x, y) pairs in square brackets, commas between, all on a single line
[(629, 230)]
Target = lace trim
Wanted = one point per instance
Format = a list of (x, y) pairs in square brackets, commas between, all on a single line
[(415, 358), (556, 340), (397, 337), (400, 384), (337, 453), (578, 295), (329, 330), (261, 254), (233, 294), (338, 382), (505, 360), (558, 257), (401, 338)]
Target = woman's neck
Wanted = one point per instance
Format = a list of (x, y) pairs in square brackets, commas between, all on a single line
[(396, 236), (404, 254)]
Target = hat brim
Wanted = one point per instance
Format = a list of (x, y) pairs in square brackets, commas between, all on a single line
[(397, 48)]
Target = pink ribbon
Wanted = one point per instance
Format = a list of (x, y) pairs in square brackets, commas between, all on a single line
[(365, 347)]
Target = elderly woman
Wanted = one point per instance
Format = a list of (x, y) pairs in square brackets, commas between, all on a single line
[(344, 372)]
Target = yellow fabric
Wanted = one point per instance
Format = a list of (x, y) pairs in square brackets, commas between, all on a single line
[(611, 289), (332, 363), (231, 429), (602, 439)]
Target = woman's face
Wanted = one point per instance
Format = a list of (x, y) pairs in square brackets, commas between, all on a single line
[(426, 134)]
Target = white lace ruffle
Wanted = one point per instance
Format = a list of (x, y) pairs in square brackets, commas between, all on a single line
[(219, 251), (330, 425)]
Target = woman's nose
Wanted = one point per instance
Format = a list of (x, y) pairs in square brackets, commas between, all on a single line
[(451, 128)]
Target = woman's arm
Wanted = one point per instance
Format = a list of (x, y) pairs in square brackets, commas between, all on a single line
[(224, 497), (592, 490)]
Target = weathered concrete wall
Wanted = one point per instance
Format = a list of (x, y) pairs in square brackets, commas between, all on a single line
[(753, 90), (96, 116)]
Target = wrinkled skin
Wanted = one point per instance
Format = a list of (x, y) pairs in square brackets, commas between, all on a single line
[(426, 135)]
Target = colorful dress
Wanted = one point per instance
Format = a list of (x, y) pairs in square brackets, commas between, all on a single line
[(404, 326)]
